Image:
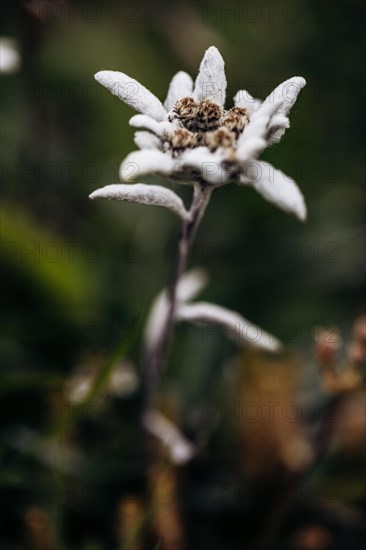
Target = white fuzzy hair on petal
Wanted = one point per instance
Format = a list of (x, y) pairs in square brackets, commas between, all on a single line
[(254, 138), (211, 80), (286, 93), (245, 100), (146, 140), (207, 163), (131, 92), (275, 187), (153, 195), (148, 161), (144, 122), (277, 127), (180, 86)]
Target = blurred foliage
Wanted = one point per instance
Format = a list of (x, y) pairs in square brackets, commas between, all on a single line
[(78, 278)]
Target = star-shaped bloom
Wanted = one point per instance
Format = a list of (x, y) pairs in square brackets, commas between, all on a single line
[(192, 137)]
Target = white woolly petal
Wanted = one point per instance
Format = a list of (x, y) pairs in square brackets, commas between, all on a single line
[(277, 127), (211, 79), (146, 140), (10, 59), (156, 321), (144, 122), (154, 195), (189, 285), (286, 93), (275, 187), (132, 93), (179, 448), (180, 86), (244, 100), (237, 328), (148, 161), (251, 149), (254, 137), (209, 164)]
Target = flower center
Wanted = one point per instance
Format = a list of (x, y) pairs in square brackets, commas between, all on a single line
[(199, 116), (205, 123)]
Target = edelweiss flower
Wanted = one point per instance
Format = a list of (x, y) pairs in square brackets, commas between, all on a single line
[(193, 138)]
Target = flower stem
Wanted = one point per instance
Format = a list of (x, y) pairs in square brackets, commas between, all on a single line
[(201, 197)]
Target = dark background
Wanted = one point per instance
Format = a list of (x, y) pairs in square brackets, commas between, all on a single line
[(77, 275)]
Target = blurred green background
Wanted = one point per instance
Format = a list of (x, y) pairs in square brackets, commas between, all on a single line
[(77, 275)]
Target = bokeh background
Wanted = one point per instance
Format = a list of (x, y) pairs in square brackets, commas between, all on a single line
[(78, 470)]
